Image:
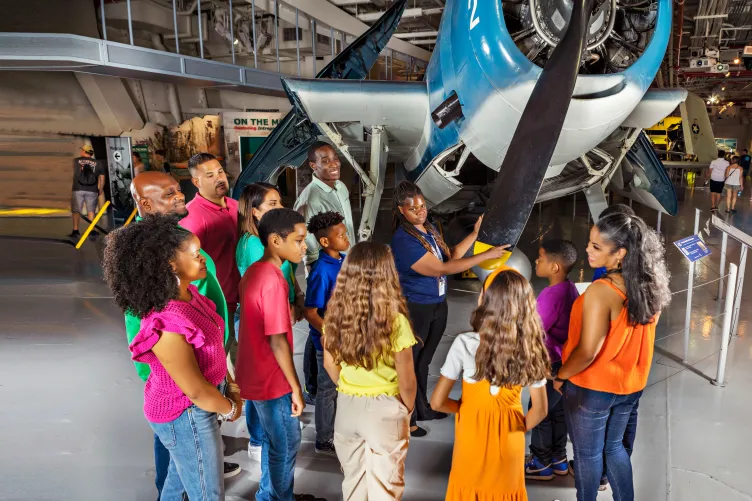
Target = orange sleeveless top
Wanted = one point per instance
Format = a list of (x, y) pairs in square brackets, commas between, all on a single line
[(623, 364)]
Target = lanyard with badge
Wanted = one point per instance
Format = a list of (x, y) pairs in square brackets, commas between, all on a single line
[(436, 252)]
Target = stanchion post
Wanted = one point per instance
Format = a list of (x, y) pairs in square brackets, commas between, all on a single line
[(690, 286), (726, 329), (724, 246), (739, 289), (658, 224)]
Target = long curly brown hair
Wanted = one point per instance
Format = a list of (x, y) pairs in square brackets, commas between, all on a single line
[(511, 351), (363, 308)]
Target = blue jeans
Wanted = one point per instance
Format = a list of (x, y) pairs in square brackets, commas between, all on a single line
[(326, 403), (161, 464), (597, 422), (253, 424), (279, 448), (196, 457)]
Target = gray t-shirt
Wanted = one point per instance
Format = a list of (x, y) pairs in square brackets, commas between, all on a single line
[(86, 172)]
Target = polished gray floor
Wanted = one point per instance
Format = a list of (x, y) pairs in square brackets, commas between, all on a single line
[(73, 429)]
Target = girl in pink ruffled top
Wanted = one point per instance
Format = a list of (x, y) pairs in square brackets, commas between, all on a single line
[(149, 267)]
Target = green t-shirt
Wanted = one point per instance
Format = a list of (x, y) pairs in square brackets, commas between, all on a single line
[(208, 287), (250, 249)]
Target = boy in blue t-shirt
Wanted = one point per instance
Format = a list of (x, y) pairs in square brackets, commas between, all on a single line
[(331, 234)]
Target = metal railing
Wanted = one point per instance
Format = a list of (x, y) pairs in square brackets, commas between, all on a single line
[(205, 15)]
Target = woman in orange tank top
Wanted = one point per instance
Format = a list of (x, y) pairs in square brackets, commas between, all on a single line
[(607, 358)]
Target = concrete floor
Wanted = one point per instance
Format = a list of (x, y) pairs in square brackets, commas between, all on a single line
[(73, 427)]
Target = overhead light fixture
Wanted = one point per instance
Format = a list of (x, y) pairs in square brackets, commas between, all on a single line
[(736, 61), (728, 74), (723, 88), (236, 41), (708, 101)]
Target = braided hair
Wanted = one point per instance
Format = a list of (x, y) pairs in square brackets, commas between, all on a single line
[(405, 190)]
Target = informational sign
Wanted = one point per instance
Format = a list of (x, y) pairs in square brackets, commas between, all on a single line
[(693, 248), (143, 152), (244, 133), (121, 175)]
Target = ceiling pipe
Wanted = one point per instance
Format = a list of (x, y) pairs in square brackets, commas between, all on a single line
[(417, 34), (409, 13), (680, 16)]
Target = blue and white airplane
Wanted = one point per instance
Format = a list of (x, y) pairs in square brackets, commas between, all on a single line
[(551, 94)]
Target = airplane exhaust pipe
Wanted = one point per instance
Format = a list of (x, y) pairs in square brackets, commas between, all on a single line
[(447, 112)]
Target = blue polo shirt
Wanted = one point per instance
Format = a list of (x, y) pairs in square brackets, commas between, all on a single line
[(407, 251), (320, 286)]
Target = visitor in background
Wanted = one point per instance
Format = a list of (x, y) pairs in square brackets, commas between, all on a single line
[(213, 218), (138, 164), (88, 184), (745, 160), (266, 371), (423, 261), (606, 360), (505, 352), (331, 233), (367, 341), (734, 184), (256, 200), (158, 193), (717, 176), (160, 161), (325, 193), (150, 267), (548, 441)]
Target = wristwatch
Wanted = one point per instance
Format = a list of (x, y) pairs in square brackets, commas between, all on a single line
[(556, 377)]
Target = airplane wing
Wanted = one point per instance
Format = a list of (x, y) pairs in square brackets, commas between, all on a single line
[(353, 106)]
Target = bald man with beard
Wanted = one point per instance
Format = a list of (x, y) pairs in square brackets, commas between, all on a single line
[(159, 193)]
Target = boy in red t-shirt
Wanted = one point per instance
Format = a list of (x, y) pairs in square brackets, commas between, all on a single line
[(265, 370)]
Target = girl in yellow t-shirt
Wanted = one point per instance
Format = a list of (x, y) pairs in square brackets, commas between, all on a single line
[(367, 353)]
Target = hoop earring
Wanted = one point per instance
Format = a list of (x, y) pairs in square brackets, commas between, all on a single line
[(178, 279)]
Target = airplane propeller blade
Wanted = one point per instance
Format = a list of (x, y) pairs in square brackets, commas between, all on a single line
[(524, 167)]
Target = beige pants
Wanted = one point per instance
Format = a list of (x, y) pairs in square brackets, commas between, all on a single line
[(371, 435)]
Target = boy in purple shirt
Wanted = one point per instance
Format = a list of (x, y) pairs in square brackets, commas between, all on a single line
[(548, 441)]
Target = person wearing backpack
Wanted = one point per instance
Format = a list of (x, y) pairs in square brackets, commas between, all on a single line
[(88, 184)]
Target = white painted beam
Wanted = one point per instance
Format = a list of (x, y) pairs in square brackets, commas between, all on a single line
[(409, 13), (417, 34), (343, 3)]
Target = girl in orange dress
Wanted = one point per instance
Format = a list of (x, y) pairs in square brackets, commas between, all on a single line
[(504, 353)]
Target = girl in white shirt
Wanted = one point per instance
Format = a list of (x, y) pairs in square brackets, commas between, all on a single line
[(504, 353), (734, 184)]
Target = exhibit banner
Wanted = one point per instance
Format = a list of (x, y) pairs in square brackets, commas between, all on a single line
[(121, 174), (244, 133)]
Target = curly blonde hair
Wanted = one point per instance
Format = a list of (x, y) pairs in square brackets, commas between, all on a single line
[(511, 351), (363, 308)]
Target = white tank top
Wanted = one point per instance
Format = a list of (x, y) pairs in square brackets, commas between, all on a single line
[(734, 178)]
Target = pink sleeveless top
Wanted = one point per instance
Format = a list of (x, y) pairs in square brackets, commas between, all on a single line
[(203, 329)]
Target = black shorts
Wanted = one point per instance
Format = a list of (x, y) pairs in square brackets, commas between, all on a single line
[(716, 186)]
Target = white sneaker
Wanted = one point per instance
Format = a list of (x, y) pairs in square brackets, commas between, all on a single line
[(254, 453)]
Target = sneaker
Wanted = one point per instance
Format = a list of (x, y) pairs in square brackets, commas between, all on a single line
[(309, 399), (604, 484), (93, 234), (254, 453), (560, 466), (418, 432), (231, 469), (327, 449), (433, 416), (733, 211), (74, 234), (604, 480), (535, 470)]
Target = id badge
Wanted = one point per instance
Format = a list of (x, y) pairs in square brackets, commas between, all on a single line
[(442, 286)]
